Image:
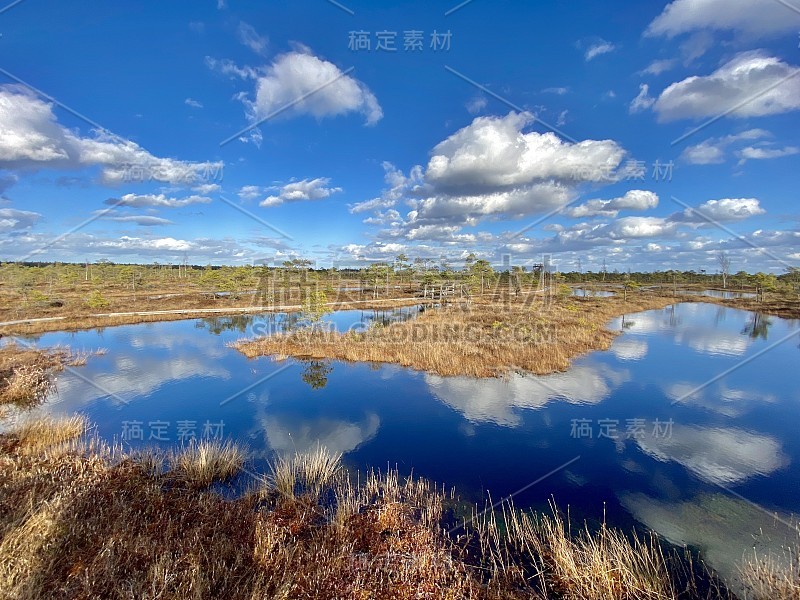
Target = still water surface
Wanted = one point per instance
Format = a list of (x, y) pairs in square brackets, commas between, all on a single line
[(724, 294), (591, 293), (687, 425)]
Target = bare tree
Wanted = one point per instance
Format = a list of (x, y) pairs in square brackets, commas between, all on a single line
[(724, 262)]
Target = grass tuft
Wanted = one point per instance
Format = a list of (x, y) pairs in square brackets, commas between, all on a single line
[(80, 358), (772, 577), (25, 384), (38, 434), (305, 473), (152, 461), (25, 373), (201, 463), (591, 566)]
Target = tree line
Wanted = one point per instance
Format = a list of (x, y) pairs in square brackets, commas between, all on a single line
[(43, 280)]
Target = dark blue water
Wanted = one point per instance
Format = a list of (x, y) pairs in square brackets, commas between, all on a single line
[(687, 425)]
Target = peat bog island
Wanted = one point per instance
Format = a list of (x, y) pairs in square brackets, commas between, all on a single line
[(351, 300)]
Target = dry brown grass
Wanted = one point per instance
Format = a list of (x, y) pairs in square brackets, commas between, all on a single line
[(603, 565), (305, 473), (82, 527), (773, 577), (37, 434), (152, 460), (81, 357), (488, 339), (25, 384), (86, 526), (25, 373), (203, 462), (100, 524)]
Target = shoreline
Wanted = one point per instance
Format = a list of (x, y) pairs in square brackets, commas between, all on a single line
[(36, 325), (785, 308), (45, 321)]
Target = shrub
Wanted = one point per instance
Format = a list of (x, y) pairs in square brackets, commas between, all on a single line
[(96, 300)]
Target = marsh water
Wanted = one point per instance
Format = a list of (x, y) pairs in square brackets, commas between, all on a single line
[(724, 294), (687, 425), (591, 293)]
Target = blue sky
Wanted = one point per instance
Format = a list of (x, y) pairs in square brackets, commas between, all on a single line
[(648, 136)]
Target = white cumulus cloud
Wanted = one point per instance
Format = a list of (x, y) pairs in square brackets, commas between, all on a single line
[(632, 200), (723, 211), (713, 150), (765, 153), (490, 170), (752, 84), (32, 139), (753, 17), (296, 191), (313, 86), (12, 219), (494, 152)]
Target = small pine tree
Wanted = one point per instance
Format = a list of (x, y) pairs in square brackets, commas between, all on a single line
[(314, 307), (96, 300)]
